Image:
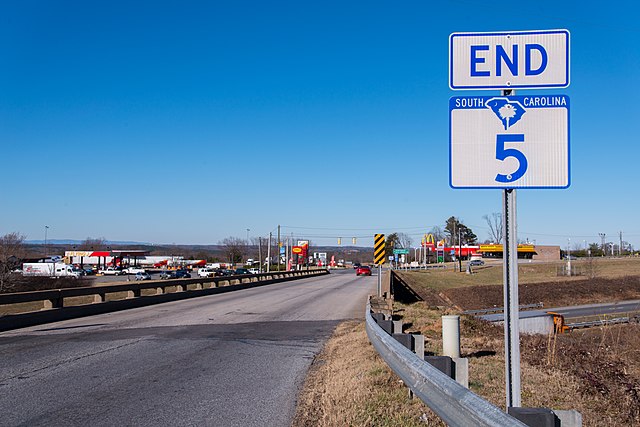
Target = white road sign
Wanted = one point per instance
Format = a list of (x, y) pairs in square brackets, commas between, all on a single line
[(509, 60), (509, 142)]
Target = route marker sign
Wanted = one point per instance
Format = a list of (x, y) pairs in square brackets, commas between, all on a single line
[(509, 142), (509, 60), (378, 249)]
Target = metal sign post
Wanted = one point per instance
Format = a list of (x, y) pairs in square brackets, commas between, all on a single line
[(511, 314), (509, 141)]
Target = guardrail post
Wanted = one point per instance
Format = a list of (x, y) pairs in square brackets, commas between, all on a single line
[(397, 326), (198, 286), (461, 365), (159, 290), (98, 298), (418, 345), (539, 417)]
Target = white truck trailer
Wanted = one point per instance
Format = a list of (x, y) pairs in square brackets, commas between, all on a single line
[(48, 269)]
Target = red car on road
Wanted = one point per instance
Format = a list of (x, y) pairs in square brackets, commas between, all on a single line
[(363, 271)]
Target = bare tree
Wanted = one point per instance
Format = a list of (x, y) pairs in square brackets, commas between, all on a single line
[(437, 233), (93, 243), (12, 252), (404, 240), (495, 226), (234, 249)]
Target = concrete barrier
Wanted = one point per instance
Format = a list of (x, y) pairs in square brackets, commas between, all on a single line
[(54, 300)]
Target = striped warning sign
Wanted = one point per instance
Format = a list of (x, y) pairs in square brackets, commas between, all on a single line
[(378, 249)]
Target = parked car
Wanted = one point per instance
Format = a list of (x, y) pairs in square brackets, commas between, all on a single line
[(476, 262), (363, 270), (356, 265), (182, 274), (176, 274), (227, 272), (254, 271), (242, 271), (134, 270), (111, 271), (88, 271), (206, 272), (143, 276), (79, 270)]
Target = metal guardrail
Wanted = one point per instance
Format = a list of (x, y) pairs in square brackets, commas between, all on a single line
[(421, 267), (54, 298), (501, 309), (453, 403), (604, 322)]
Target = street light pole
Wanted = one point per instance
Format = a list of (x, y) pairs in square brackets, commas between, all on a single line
[(247, 244), (46, 247)]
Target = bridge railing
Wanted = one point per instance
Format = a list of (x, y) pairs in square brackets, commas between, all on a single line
[(55, 302)]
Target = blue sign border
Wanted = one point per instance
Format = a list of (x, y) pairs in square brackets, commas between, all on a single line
[(506, 187), (504, 33)]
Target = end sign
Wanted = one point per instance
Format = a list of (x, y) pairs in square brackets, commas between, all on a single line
[(509, 60)]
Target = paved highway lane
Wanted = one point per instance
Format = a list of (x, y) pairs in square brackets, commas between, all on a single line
[(222, 360)]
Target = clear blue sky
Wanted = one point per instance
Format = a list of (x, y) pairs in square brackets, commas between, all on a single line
[(187, 122)]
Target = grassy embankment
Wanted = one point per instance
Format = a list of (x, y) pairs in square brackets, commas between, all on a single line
[(594, 371)]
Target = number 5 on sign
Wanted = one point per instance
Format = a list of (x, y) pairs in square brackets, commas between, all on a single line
[(504, 153), (509, 141)]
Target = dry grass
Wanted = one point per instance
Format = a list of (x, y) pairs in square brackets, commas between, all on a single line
[(349, 385), (596, 371), (491, 273)]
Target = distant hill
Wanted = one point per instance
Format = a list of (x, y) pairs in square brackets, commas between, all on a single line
[(77, 242)]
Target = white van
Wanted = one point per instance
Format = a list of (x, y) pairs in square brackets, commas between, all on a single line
[(206, 272)]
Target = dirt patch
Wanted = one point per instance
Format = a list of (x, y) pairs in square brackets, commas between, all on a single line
[(551, 294)]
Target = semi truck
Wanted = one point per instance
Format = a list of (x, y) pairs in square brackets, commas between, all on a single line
[(49, 269)]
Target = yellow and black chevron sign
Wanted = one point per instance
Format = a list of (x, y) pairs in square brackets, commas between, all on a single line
[(378, 249)]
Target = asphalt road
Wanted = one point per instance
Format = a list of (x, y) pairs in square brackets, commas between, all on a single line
[(234, 359)]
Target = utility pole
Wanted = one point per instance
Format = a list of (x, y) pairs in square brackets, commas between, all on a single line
[(286, 255), (569, 257), (620, 247), (460, 249), (279, 245), (269, 253), (602, 238), (46, 246), (453, 241), (260, 253)]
